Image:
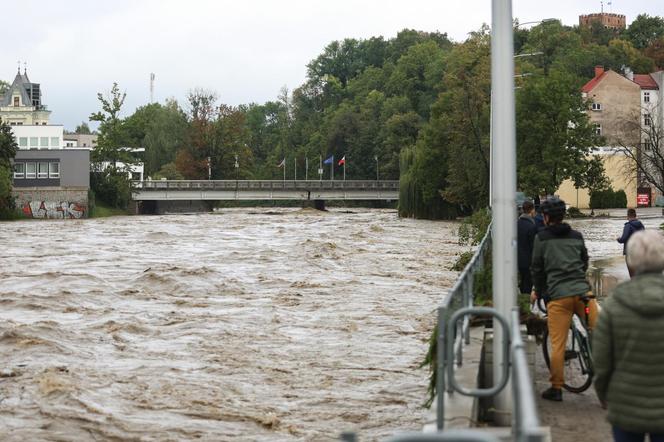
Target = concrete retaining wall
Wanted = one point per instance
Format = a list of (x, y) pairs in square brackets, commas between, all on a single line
[(52, 203)]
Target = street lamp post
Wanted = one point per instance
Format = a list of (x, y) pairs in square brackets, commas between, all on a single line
[(237, 169), (503, 158)]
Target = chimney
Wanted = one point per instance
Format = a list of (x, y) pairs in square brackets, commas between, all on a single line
[(629, 73), (599, 70)]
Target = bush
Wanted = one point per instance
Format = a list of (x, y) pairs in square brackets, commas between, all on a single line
[(608, 199), (112, 187)]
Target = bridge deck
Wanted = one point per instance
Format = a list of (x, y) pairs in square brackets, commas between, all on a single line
[(264, 190)]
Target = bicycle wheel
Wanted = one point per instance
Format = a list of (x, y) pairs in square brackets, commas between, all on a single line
[(577, 370)]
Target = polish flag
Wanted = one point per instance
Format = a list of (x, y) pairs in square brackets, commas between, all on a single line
[(342, 161)]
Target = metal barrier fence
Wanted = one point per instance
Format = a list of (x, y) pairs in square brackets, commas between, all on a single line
[(266, 185), (453, 332)]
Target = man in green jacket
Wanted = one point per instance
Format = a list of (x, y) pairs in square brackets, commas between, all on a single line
[(560, 261), (628, 344)]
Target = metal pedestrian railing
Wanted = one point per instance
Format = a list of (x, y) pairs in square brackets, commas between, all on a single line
[(312, 185), (453, 332)]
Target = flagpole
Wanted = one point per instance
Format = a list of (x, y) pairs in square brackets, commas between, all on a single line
[(320, 167), (332, 169), (295, 167), (306, 169), (344, 168), (284, 168)]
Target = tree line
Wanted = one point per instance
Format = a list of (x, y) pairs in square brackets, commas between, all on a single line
[(415, 108)]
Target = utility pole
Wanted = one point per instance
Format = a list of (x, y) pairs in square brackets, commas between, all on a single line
[(503, 157), (152, 76)]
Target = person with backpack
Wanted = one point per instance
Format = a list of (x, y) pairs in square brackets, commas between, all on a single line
[(560, 261), (632, 225)]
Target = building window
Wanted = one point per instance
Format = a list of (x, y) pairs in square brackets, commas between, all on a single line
[(34, 142), (597, 106), (16, 101), (19, 170), (598, 129), (647, 145), (54, 170), (55, 142), (646, 97), (31, 170), (23, 142), (42, 173), (43, 141), (647, 120)]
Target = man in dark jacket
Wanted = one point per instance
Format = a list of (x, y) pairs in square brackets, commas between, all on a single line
[(632, 225), (628, 345), (560, 261), (526, 231)]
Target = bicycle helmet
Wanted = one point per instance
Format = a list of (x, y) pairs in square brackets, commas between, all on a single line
[(554, 207)]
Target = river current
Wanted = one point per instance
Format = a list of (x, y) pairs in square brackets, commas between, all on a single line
[(248, 324)]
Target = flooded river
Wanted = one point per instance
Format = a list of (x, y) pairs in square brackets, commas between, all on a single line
[(248, 324)]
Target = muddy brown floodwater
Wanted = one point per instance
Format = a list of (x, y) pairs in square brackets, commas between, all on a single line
[(249, 324)]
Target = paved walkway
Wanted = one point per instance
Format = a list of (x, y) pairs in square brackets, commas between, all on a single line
[(578, 417)]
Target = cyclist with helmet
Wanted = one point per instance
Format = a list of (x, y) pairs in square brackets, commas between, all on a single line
[(560, 261)]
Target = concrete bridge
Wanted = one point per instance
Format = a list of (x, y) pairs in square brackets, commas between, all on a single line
[(166, 195)]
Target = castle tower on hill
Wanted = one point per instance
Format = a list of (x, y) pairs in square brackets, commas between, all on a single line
[(607, 19)]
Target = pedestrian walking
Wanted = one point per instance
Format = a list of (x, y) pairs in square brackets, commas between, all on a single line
[(632, 225), (526, 231), (559, 265), (628, 345)]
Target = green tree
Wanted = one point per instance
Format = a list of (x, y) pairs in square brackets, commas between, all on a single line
[(112, 133), (83, 129), (4, 87), (8, 148), (644, 30), (554, 135)]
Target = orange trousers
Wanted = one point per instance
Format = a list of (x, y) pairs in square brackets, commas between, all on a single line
[(560, 312)]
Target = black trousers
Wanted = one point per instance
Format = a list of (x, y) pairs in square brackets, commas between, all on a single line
[(525, 280)]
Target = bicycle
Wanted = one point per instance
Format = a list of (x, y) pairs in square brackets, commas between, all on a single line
[(578, 368)]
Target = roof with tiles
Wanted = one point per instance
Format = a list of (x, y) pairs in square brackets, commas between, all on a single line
[(645, 81)]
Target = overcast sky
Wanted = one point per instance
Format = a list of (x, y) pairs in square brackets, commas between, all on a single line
[(244, 50)]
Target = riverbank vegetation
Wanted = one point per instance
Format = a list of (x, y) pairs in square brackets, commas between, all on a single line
[(8, 148), (415, 107)]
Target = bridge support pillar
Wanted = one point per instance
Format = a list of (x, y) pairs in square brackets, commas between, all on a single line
[(319, 205)]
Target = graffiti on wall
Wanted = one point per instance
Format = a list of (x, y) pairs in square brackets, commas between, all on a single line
[(53, 210)]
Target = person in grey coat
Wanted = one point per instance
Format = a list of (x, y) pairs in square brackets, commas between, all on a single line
[(628, 345)]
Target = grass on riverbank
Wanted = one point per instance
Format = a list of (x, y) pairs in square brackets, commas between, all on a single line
[(101, 210)]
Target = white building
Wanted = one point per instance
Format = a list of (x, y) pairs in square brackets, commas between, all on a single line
[(50, 180)]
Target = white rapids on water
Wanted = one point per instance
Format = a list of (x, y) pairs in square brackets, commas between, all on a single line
[(249, 324)]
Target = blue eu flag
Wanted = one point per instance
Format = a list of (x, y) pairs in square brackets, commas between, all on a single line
[(329, 160)]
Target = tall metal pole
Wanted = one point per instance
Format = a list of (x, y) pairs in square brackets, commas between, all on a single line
[(284, 168), (306, 169), (503, 144), (332, 169), (295, 167), (376, 158)]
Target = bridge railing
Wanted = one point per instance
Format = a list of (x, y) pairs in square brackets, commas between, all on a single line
[(305, 185), (454, 331)]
